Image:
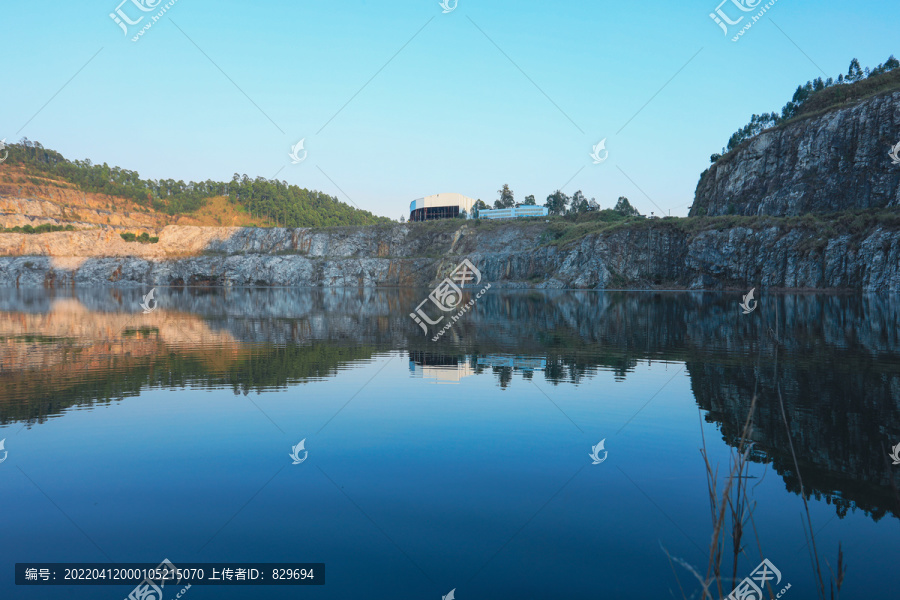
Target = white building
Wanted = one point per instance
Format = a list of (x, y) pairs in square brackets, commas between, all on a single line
[(440, 206)]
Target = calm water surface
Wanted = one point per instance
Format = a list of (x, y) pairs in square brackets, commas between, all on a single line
[(459, 464)]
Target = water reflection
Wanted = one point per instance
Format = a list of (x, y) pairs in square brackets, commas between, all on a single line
[(446, 368), (834, 359)]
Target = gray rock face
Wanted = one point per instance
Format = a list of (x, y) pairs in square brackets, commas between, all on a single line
[(511, 255), (832, 162)]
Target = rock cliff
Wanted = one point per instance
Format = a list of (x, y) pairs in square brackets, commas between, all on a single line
[(661, 253), (830, 162), (743, 231)]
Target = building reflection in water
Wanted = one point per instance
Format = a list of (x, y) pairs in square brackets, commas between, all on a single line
[(444, 368)]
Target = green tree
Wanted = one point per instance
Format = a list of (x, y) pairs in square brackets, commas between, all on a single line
[(530, 201), (557, 203), (624, 207), (579, 203), (507, 199), (478, 207), (855, 72)]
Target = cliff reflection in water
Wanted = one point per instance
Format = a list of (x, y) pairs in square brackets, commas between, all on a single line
[(836, 359)]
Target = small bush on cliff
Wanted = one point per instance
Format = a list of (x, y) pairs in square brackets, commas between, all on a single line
[(144, 238)]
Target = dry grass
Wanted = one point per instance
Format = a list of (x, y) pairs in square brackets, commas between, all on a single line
[(731, 514)]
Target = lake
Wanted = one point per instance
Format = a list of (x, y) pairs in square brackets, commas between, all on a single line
[(470, 463)]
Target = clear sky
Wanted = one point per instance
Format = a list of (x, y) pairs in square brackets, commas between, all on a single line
[(397, 100)]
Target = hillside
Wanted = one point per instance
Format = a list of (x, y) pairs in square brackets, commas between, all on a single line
[(39, 185), (829, 151), (29, 199)]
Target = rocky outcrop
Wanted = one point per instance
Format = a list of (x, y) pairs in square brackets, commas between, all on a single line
[(831, 162), (34, 205), (652, 254)]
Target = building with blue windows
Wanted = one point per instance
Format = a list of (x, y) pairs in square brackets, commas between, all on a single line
[(526, 210)]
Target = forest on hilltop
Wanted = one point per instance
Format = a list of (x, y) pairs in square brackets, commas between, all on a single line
[(277, 201)]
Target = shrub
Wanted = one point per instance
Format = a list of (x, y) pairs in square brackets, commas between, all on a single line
[(143, 238), (44, 228)]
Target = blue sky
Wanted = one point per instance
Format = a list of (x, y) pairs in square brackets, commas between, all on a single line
[(493, 92)]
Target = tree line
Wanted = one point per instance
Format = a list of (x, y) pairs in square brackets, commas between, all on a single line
[(293, 206), (558, 203), (287, 205), (816, 95)]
